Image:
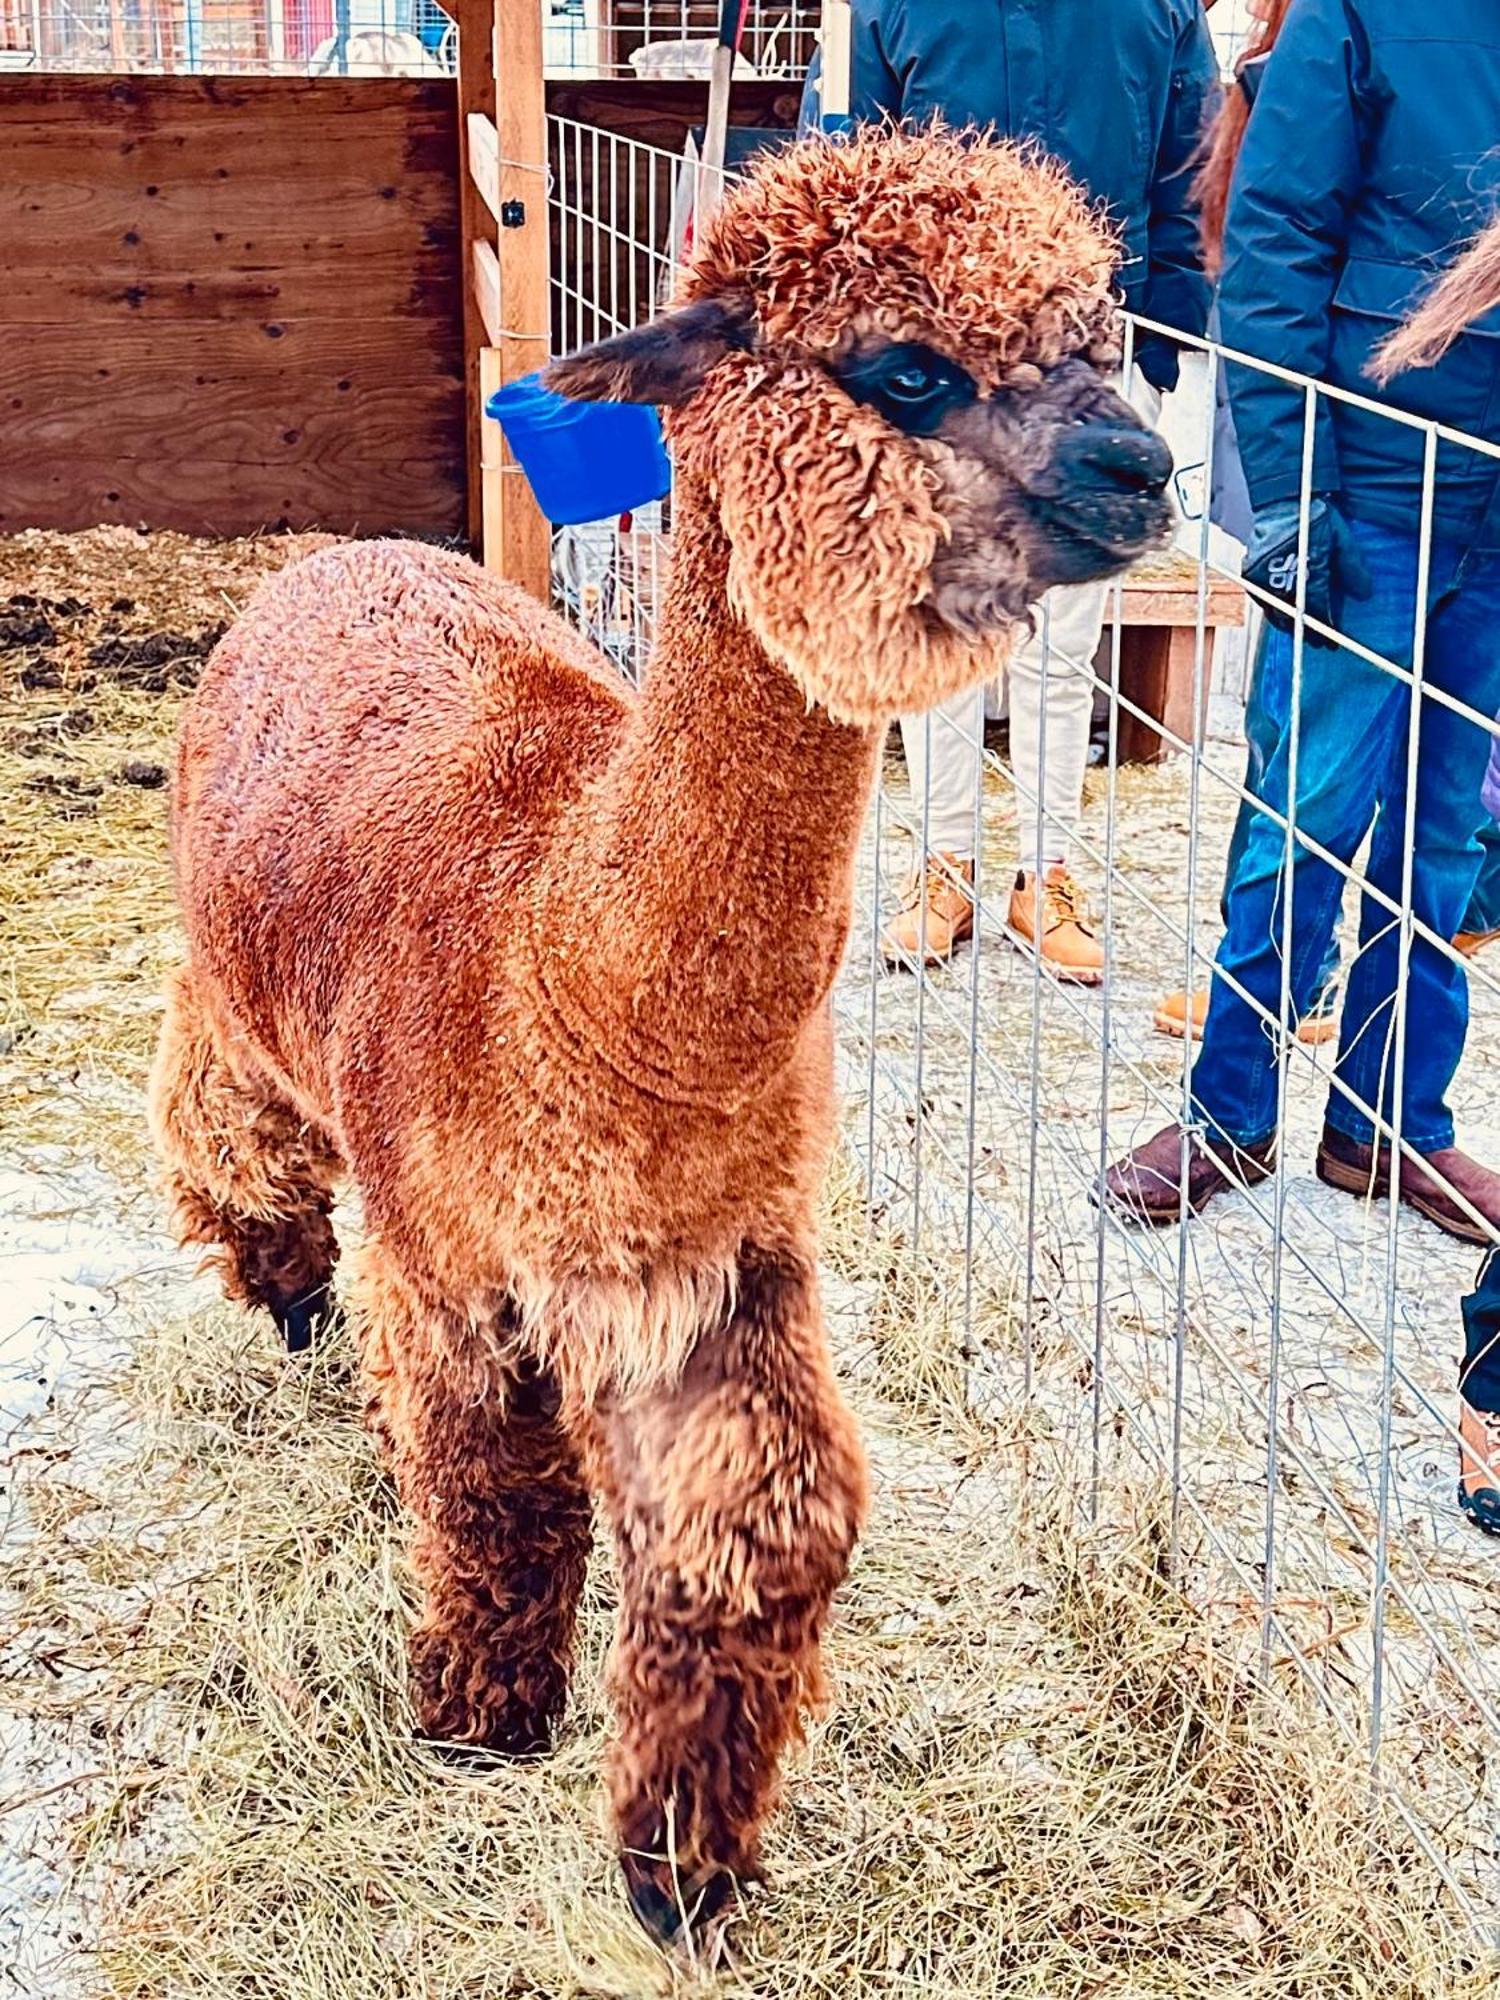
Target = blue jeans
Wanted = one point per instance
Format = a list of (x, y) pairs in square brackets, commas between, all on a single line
[(1267, 709), (1351, 772), (1484, 905)]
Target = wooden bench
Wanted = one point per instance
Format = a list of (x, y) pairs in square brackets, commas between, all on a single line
[(1158, 648)]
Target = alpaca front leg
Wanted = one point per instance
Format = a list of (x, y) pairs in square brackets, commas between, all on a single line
[(502, 1521), (737, 1495)]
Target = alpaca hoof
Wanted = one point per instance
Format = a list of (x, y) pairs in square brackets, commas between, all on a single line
[(669, 1906), (482, 1756), (507, 1723), (518, 1738), (307, 1320)]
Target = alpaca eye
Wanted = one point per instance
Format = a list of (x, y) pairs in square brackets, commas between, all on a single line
[(912, 386)]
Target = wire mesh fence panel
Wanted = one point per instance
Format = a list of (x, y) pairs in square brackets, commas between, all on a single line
[(672, 38), (669, 40), (230, 37), (1281, 1368)]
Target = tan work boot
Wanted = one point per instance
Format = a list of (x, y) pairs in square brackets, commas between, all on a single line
[(1176, 1017), (1069, 948), (1471, 943), (946, 888), (1181, 1016)]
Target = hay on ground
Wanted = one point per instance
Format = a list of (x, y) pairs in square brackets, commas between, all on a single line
[(1048, 1769)]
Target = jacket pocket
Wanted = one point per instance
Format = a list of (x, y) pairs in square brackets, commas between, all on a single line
[(1370, 302)]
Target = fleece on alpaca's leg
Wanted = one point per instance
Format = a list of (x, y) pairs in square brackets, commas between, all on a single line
[(502, 1520), (736, 1498), (246, 1175)]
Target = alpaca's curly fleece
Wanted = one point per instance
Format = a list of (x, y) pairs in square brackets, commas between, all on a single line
[(544, 968), (988, 250)]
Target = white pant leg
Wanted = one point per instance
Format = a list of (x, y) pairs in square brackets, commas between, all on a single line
[(1051, 678), (1070, 621), (1051, 709), (949, 776)]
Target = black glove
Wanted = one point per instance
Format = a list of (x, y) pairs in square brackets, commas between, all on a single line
[(1156, 357), (1335, 567)]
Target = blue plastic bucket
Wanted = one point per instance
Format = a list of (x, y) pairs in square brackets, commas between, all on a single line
[(584, 461)]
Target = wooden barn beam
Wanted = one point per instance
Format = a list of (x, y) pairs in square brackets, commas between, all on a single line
[(484, 160), (486, 277), (524, 548), (476, 98)]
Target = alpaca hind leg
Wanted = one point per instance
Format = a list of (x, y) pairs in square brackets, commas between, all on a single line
[(502, 1520), (737, 1496), (246, 1174)]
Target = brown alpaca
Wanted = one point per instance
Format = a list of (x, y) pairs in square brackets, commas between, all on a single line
[(544, 966)]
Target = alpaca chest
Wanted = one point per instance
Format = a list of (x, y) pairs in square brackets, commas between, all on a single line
[(525, 1173)]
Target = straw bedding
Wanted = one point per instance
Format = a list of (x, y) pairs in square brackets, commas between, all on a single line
[(1044, 1773)]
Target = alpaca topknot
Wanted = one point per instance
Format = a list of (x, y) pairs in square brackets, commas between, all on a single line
[(980, 246)]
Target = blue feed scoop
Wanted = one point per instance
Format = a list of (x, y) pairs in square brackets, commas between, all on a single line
[(583, 461)]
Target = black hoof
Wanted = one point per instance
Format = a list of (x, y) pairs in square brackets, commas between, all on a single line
[(670, 1906), (527, 1748), (307, 1319)]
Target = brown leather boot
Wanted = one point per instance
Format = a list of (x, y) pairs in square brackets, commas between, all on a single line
[(1346, 1163), (1471, 943), (1146, 1184), (946, 888)]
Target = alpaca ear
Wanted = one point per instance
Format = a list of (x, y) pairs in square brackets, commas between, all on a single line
[(665, 361)]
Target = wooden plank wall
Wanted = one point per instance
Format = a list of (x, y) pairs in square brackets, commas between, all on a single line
[(230, 303)]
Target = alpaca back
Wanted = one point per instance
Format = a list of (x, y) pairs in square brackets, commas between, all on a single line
[(374, 758)]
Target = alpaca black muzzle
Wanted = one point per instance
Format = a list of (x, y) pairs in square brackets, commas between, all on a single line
[(1103, 501)]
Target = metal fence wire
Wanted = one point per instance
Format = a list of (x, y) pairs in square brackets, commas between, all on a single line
[(668, 39), (1282, 1366)]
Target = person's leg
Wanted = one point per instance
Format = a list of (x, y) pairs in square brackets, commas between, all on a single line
[(1481, 921), (1051, 709), (1266, 710), (943, 755), (1479, 1400), (1462, 659), (1339, 745), (1266, 704), (944, 767), (1343, 728), (1051, 682)]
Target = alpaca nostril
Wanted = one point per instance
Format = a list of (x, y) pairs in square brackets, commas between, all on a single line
[(1126, 461)]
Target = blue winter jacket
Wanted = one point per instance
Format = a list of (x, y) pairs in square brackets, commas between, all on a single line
[(1119, 90), (1372, 157)]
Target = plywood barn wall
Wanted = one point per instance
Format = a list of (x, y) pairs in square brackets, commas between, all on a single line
[(230, 303)]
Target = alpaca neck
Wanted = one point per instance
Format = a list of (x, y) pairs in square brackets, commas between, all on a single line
[(698, 915)]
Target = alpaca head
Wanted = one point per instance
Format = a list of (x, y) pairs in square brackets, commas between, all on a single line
[(886, 369)]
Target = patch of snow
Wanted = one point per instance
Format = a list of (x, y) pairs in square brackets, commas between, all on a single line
[(71, 1269)]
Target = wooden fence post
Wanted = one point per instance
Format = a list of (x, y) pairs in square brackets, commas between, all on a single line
[(524, 553), (506, 274), (476, 100), (837, 64)]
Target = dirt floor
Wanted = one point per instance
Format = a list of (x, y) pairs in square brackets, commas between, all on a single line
[(1054, 1764)]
